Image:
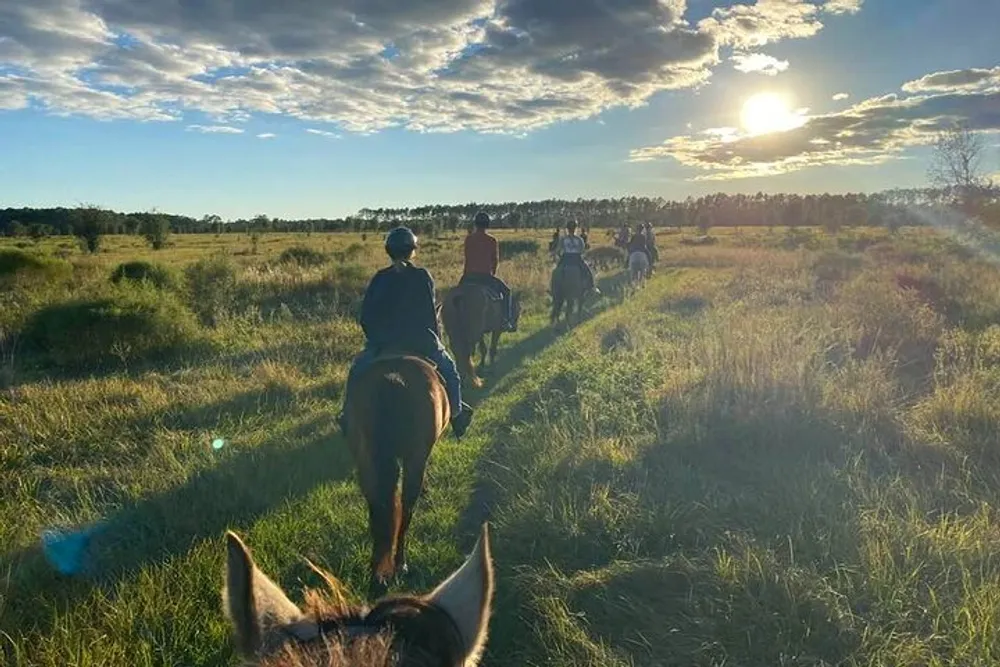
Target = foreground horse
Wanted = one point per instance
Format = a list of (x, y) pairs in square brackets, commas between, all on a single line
[(569, 288), (469, 312), (397, 412), (446, 628)]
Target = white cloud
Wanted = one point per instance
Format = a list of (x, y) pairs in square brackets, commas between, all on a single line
[(266, 135), (962, 79), (323, 133), (215, 129), (427, 65), (840, 96), (842, 6), (760, 63), (873, 131)]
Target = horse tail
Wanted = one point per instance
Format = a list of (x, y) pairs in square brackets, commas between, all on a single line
[(388, 444), (457, 326)]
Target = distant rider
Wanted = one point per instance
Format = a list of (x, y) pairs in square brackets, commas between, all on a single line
[(398, 314), (482, 257), (570, 249)]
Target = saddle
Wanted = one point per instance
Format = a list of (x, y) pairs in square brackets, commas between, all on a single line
[(492, 293), (391, 353)]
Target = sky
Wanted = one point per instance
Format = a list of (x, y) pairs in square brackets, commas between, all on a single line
[(317, 108)]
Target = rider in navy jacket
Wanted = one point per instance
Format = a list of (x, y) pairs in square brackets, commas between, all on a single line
[(398, 313)]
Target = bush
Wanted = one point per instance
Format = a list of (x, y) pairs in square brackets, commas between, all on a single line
[(131, 323), (337, 293), (156, 275), (303, 256), (513, 247), (156, 230), (606, 257), (17, 265), (700, 240), (351, 253), (211, 288)]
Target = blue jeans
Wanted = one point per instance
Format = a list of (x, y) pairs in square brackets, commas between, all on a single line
[(440, 357)]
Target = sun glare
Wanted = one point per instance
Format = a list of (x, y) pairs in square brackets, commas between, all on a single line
[(765, 113)]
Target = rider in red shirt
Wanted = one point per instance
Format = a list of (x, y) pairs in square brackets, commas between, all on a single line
[(482, 258)]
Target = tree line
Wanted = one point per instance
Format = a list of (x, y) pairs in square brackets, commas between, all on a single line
[(892, 209)]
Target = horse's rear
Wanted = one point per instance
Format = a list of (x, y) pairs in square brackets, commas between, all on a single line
[(465, 313), (569, 285), (638, 267), (398, 411)]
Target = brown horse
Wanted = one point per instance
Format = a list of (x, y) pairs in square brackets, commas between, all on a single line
[(397, 411), (469, 312), (447, 627), (569, 287)]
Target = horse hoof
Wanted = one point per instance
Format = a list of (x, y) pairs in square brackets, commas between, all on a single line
[(377, 588)]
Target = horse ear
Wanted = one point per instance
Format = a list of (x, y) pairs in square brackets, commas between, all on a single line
[(255, 605), (467, 595)]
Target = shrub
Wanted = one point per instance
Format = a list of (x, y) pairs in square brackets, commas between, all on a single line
[(513, 247), (700, 240), (338, 292), (156, 230), (156, 275), (351, 253), (211, 288), (606, 257), (18, 265), (130, 323), (303, 256)]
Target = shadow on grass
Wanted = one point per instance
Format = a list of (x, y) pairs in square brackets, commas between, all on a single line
[(233, 494)]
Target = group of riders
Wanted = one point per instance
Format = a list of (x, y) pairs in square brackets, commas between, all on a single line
[(399, 311), (642, 240)]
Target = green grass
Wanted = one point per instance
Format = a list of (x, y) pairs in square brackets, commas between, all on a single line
[(780, 452)]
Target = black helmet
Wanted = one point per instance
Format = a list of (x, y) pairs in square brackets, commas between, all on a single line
[(571, 224), (482, 220), (400, 242)]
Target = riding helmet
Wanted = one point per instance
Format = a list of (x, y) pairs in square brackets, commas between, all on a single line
[(482, 220), (400, 241)]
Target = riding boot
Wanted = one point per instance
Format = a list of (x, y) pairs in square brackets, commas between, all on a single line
[(460, 422)]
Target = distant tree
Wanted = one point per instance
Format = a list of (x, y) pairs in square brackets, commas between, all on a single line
[(90, 224), (957, 164), (212, 223), (155, 228), (16, 228)]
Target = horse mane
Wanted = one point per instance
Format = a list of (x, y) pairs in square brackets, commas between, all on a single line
[(411, 632)]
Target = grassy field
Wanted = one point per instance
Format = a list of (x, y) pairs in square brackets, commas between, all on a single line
[(783, 451)]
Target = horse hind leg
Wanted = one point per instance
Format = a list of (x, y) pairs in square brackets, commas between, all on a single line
[(413, 485), (494, 341)]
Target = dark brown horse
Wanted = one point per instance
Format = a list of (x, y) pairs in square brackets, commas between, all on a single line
[(446, 628), (569, 288), (469, 312), (397, 411)]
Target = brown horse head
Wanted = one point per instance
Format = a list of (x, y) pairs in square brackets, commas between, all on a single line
[(397, 411), (445, 628)]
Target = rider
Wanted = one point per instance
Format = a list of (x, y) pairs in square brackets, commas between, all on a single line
[(638, 242), (482, 256), (399, 314), (571, 248)]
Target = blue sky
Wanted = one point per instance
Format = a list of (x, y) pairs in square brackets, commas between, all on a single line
[(401, 102)]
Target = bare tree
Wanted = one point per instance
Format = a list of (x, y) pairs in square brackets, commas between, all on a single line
[(957, 164)]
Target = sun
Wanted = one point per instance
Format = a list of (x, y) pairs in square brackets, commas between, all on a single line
[(765, 113)]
